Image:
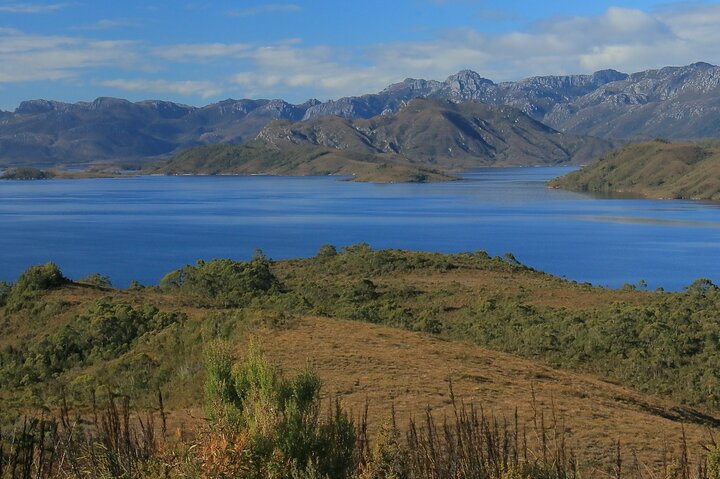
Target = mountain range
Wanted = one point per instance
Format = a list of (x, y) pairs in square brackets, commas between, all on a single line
[(421, 141), (672, 102)]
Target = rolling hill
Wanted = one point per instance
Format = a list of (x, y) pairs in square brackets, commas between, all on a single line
[(655, 169), (388, 327), (257, 157)]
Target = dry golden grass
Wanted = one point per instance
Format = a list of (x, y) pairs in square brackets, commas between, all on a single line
[(386, 367)]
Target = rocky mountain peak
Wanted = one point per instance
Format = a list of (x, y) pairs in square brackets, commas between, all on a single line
[(40, 106), (109, 102)]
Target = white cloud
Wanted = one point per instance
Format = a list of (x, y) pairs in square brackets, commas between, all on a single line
[(33, 7), (108, 24), (203, 89), (620, 38), (202, 51), (269, 8), (35, 58)]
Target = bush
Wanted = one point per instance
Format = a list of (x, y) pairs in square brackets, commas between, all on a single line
[(278, 419), (39, 278), (229, 283), (33, 281), (4, 291), (97, 279), (326, 251), (105, 331)]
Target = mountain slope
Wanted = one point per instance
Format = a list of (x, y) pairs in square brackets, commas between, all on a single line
[(655, 169), (443, 133), (673, 102), (47, 133), (257, 157)]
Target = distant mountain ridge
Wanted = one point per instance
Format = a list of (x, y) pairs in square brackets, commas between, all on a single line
[(672, 102), (445, 134), (420, 142)]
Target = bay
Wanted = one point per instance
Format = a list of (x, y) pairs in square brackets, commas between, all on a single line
[(139, 228)]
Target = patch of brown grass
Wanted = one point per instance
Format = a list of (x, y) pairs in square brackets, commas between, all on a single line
[(386, 367)]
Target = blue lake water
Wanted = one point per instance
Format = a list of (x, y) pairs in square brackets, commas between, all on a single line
[(143, 227)]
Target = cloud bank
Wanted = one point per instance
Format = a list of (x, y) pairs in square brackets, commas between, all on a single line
[(620, 38)]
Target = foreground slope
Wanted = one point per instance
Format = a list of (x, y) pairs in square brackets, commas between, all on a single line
[(655, 169), (468, 318), (362, 363)]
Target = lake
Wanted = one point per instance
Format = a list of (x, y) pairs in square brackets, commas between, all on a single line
[(140, 228)]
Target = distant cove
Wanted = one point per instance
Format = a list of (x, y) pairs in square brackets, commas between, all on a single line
[(140, 228)]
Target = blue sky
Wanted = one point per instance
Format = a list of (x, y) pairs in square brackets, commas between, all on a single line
[(199, 52)]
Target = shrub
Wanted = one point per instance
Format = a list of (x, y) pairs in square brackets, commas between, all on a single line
[(4, 291), (97, 279), (279, 419), (326, 251), (39, 278), (701, 286), (33, 281), (230, 283)]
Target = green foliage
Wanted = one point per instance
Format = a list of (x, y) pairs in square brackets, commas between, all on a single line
[(4, 292), (389, 457), (39, 278), (106, 330), (701, 286), (326, 251), (97, 279), (226, 282), (33, 281), (279, 417), (713, 462)]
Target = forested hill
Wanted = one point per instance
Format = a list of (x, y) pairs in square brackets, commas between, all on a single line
[(654, 169)]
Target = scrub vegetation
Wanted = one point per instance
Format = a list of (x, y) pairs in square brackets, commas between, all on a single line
[(418, 341)]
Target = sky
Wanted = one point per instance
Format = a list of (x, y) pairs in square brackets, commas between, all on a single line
[(199, 52)]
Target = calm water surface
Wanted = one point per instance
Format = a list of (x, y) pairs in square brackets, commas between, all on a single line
[(141, 228)]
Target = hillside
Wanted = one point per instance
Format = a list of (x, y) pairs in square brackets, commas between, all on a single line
[(672, 102), (445, 134), (655, 169), (256, 157), (44, 133), (420, 142), (86, 340)]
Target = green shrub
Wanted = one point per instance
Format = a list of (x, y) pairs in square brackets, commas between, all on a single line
[(97, 279), (326, 251), (229, 283), (279, 418), (106, 330), (39, 278), (4, 291), (33, 281)]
